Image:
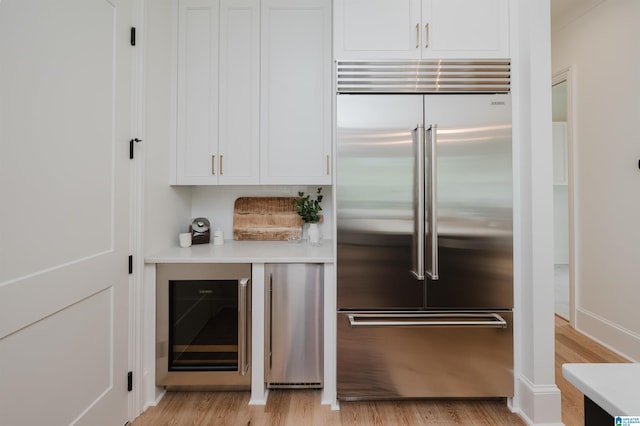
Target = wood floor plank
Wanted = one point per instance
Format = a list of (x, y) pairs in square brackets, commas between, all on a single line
[(302, 407)]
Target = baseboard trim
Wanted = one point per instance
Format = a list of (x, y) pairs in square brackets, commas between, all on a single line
[(614, 337), (538, 405), (259, 400)]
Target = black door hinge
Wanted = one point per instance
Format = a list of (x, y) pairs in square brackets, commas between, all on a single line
[(130, 264), (130, 381), (131, 146), (133, 36)]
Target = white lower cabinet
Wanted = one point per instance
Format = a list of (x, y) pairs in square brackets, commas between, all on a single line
[(253, 92)]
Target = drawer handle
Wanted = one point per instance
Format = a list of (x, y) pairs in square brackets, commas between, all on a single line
[(427, 320)]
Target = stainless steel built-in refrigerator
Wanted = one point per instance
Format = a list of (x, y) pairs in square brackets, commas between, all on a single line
[(424, 216)]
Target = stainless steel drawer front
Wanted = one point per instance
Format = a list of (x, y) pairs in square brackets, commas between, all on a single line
[(294, 331), (383, 355)]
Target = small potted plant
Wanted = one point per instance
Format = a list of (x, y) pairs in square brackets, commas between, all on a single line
[(308, 209)]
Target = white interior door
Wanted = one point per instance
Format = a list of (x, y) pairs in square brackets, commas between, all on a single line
[(65, 77)]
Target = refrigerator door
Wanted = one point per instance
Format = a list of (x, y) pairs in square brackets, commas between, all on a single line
[(375, 201), (473, 183)]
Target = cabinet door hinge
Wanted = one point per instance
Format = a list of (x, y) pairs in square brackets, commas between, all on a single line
[(130, 264), (131, 146), (133, 36), (130, 381)]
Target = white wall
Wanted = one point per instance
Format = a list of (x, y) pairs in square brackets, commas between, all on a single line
[(216, 203), (166, 209), (602, 43), (561, 224)]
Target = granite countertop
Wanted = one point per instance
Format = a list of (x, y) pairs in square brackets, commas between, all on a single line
[(247, 252), (614, 387)]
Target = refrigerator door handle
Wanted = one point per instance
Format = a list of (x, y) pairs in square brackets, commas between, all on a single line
[(484, 320), (432, 269), (418, 136)]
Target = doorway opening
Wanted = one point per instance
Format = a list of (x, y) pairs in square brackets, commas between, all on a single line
[(563, 167)]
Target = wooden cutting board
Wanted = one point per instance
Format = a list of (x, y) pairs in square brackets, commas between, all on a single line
[(265, 218)]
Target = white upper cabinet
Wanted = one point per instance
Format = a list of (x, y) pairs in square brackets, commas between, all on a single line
[(465, 29), (371, 29), (421, 29), (217, 125), (296, 90), (254, 92)]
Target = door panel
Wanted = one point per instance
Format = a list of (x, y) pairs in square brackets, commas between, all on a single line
[(375, 201), (64, 235)]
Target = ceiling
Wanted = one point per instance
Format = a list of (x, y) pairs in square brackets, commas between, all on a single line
[(560, 7), (563, 11)]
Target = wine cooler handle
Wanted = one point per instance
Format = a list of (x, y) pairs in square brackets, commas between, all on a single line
[(243, 325)]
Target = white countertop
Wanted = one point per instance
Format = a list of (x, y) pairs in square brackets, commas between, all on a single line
[(247, 252), (614, 387)]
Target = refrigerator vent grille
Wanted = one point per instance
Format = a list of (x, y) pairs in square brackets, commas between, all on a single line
[(425, 76), (301, 385)]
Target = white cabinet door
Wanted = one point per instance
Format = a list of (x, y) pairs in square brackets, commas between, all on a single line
[(378, 29), (197, 112), (427, 29), (66, 92), (296, 89), (239, 114), (465, 29)]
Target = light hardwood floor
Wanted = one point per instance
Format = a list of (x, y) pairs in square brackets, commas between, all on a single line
[(572, 346), (302, 407)]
